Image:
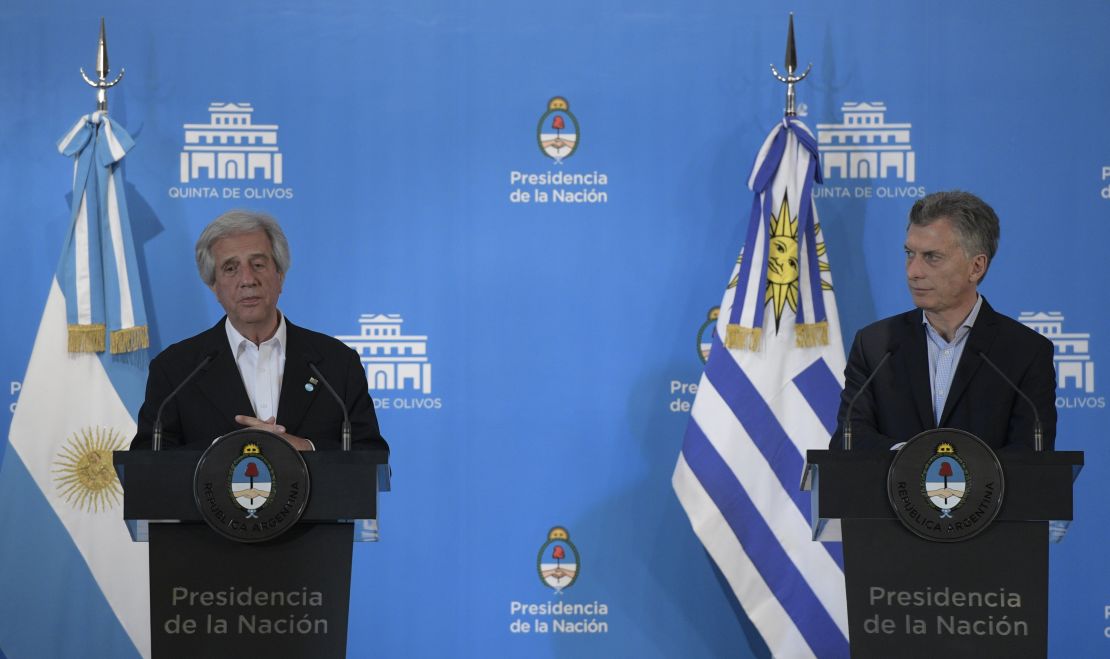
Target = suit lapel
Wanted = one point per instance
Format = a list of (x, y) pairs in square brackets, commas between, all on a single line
[(221, 382), (979, 340), (917, 367), (295, 396)]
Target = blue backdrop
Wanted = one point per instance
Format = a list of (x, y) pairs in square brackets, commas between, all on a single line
[(560, 334)]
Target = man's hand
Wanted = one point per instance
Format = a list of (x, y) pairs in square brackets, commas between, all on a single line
[(270, 425)]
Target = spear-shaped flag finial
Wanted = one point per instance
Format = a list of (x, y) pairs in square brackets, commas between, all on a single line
[(102, 50), (791, 53), (101, 83), (791, 66)]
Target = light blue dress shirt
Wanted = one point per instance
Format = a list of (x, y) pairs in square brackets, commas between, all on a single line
[(944, 357)]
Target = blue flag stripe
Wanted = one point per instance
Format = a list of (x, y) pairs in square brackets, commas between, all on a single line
[(758, 420), (762, 547), (766, 433), (821, 390)]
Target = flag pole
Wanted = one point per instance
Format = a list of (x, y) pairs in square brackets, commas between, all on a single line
[(102, 84), (791, 66)]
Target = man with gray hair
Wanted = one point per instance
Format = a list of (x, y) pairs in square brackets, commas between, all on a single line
[(259, 374), (936, 377)]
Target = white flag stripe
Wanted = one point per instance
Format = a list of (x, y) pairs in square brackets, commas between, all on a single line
[(68, 137), (805, 293), (797, 418), (747, 313), (84, 278), (127, 316), (114, 146), (789, 526), (78, 384), (759, 602), (769, 377)]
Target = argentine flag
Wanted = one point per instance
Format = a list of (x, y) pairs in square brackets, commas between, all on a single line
[(73, 584), (769, 393)]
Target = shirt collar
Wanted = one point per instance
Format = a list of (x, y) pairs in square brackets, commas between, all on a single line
[(969, 322), (238, 341)]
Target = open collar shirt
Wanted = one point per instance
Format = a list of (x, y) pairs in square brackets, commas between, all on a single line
[(261, 367), (944, 357)]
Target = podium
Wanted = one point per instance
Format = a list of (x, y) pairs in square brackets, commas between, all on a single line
[(986, 596), (286, 597)]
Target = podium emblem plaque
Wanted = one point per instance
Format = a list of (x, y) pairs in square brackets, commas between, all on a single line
[(946, 485), (251, 486)]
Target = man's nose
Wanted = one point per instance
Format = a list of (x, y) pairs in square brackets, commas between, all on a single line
[(913, 267)]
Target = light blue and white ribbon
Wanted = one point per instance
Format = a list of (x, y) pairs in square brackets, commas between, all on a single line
[(97, 270)]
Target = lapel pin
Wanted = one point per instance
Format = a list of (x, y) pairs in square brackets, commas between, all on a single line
[(311, 384)]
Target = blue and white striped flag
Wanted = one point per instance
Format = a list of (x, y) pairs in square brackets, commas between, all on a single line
[(769, 393), (73, 583)]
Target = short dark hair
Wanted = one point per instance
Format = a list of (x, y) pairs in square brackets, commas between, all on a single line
[(235, 222), (974, 221)]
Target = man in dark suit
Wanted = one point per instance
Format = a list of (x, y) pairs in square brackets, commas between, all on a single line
[(935, 376), (259, 374)]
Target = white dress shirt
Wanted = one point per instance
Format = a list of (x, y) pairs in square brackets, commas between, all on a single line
[(261, 367)]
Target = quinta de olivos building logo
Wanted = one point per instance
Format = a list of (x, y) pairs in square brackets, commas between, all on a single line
[(231, 157)]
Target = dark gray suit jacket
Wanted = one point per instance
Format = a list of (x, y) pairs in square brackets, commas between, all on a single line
[(898, 403), (206, 407)]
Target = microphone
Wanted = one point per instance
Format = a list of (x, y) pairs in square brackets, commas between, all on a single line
[(156, 437), (1038, 435), (852, 403), (346, 431)]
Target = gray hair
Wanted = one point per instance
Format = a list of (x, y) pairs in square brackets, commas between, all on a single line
[(973, 220), (235, 222)]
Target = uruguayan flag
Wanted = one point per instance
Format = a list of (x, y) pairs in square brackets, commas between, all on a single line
[(72, 583), (769, 393)]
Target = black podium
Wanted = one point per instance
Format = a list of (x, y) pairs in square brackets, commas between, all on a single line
[(285, 597), (986, 596)]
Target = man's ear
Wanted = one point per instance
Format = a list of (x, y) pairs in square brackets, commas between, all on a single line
[(979, 267)]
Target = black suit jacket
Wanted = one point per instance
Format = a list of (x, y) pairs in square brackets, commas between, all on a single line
[(206, 407), (898, 403)]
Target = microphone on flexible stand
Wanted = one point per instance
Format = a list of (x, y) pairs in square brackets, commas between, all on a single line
[(156, 436), (346, 428), (1038, 435), (847, 440)]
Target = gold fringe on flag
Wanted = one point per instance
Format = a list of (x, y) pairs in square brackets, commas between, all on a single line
[(130, 339), (86, 338), (811, 335), (739, 337)]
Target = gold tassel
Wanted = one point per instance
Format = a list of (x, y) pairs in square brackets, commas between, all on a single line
[(738, 337), (810, 335), (130, 339), (86, 338)]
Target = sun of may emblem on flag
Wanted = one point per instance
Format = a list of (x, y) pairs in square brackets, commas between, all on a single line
[(782, 261), (83, 470)]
